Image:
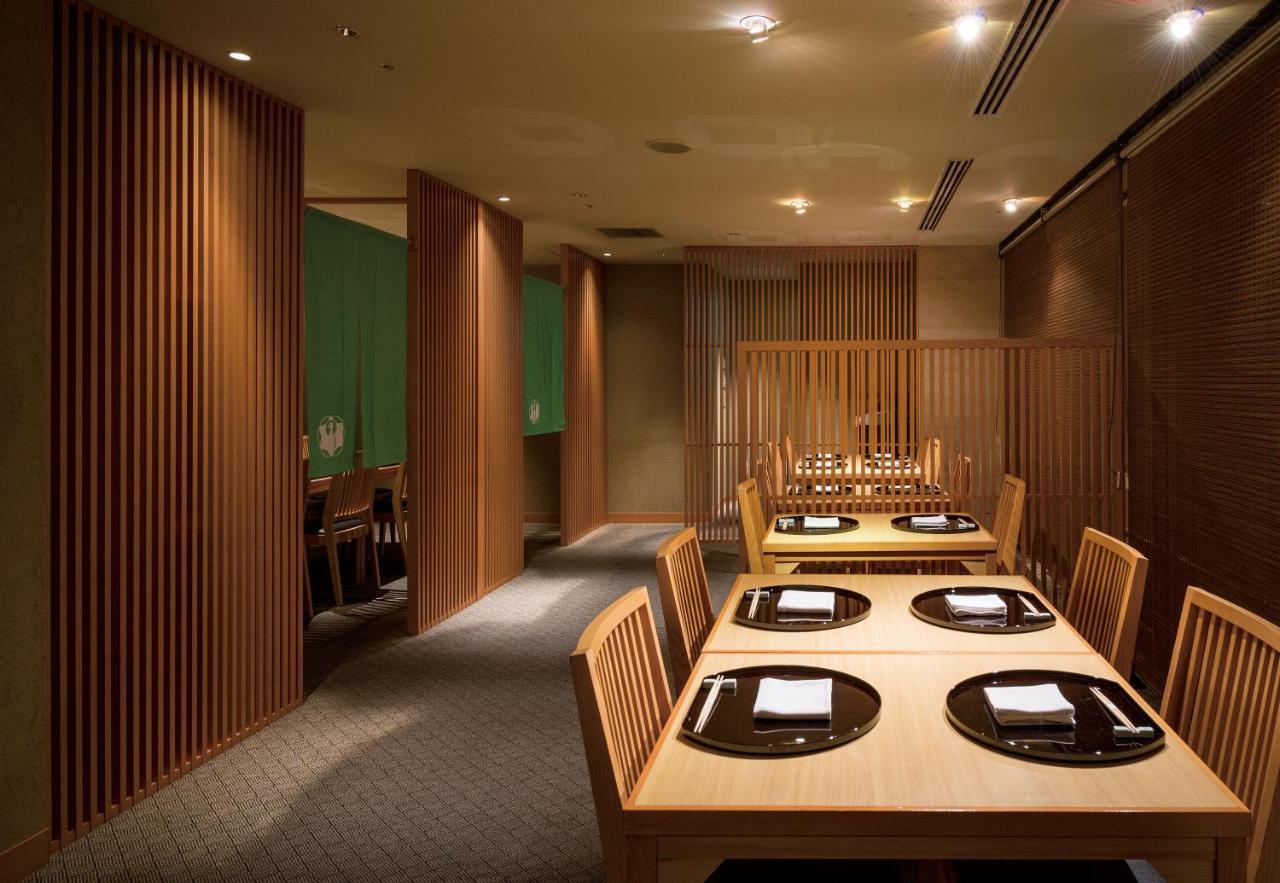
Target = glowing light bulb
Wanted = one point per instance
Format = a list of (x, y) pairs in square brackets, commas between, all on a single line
[(240, 56), (969, 27), (800, 205), (1011, 204), (904, 205), (1181, 24), (758, 27)]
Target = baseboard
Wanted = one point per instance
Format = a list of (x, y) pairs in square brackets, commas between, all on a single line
[(25, 858), (646, 517), (542, 518)]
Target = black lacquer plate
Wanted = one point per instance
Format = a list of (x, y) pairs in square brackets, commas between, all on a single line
[(855, 709), (1091, 741), (793, 524), (932, 608), (850, 607), (955, 524)]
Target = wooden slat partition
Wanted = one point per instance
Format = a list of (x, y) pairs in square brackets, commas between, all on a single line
[(176, 395), (1041, 410), (464, 389), (583, 504), (732, 294)]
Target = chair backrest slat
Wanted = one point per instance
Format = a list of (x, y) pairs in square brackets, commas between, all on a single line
[(623, 703), (1223, 698), (1008, 522), (1106, 596), (930, 460), (961, 483), (350, 494), (686, 601)]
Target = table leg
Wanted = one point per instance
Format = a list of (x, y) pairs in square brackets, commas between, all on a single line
[(993, 566), (641, 859), (1231, 861)]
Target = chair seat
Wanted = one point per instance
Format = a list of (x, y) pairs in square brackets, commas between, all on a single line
[(315, 527)]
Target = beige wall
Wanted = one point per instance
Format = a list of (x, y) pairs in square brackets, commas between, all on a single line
[(958, 289), (23, 437)]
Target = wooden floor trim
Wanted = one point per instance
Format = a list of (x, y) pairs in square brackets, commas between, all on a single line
[(24, 857)]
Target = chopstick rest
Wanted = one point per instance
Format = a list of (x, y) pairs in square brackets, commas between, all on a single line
[(728, 685)]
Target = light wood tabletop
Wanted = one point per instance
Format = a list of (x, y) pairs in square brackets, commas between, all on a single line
[(859, 468), (913, 787), (876, 539), (891, 626)]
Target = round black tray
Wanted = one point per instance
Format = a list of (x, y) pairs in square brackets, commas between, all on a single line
[(932, 608), (847, 523), (1093, 739), (855, 709), (850, 607), (955, 524)]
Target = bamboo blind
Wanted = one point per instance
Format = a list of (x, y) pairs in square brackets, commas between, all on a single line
[(734, 294), (1041, 410), (464, 408), (176, 390), (582, 467)]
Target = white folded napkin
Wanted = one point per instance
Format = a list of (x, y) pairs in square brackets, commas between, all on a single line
[(793, 700), (976, 605), (799, 601), (818, 522), (1035, 705), (928, 521)]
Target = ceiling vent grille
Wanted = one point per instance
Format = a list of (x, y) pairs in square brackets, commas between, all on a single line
[(946, 188), (630, 233), (1023, 40)]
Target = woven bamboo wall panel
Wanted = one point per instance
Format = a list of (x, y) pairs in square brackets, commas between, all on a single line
[(1063, 280), (734, 294), (1202, 278), (464, 389), (176, 393), (1041, 410), (583, 504)]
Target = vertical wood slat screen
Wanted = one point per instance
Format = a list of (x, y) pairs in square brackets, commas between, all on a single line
[(583, 501), (734, 294), (464, 389), (1063, 279), (176, 394), (1202, 288), (1041, 410)]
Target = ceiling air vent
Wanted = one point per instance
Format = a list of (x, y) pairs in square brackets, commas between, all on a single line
[(946, 188), (630, 233), (1023, 40)]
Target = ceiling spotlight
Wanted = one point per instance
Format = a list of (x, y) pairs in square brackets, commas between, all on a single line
[(758, 27), (504, 199), (1181, 24), (1011, 204), (608, 254), (800, 205), (904, 205), (969, 27), (386, 65), (344, 31), (240, 56)]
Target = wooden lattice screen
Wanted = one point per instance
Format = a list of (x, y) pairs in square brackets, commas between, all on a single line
[(1045, 411)]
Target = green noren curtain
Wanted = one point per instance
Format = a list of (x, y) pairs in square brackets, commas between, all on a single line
[(543, 357), (355, 302)]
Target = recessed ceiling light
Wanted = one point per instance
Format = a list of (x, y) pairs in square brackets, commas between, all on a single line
[(800, 205), (1181, 24), (969, 27), (1011, 204), (758, 27), (240, 56), (386, 65), (608, 254), (344, 31), (666, 145), (904, 204), (504, 199)]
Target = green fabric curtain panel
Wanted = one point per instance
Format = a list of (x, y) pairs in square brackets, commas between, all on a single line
[(543, 357), (355, 291)]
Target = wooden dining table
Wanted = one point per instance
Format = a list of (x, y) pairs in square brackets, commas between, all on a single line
[(876, 539), (914, 788), (857, 467)]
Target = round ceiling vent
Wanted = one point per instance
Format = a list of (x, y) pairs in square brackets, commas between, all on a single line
[(663, 145)]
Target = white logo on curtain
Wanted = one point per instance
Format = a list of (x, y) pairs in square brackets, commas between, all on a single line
[(332, 435), (535, 411)]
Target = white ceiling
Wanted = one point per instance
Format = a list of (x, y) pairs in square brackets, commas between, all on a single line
[(852, 104)]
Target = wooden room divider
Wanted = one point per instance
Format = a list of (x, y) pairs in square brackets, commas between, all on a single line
[(1045, 411)]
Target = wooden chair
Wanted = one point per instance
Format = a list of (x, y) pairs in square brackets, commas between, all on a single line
[(391, 508), (752, 514), (789, 458), (623, 703), (1007, 525), (1223, 698), (1106, 596), (347, 516), (961, 487), (686, 601)]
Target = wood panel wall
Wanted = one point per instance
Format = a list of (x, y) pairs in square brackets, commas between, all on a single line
[(464, 389), (583, 503), (734, 294), (176, 397), (1040, 410)]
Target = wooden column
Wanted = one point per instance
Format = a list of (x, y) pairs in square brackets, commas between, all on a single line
[(464, 390), (583, 505)]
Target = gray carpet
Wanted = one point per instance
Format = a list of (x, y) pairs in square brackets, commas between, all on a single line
[(454, 755)]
